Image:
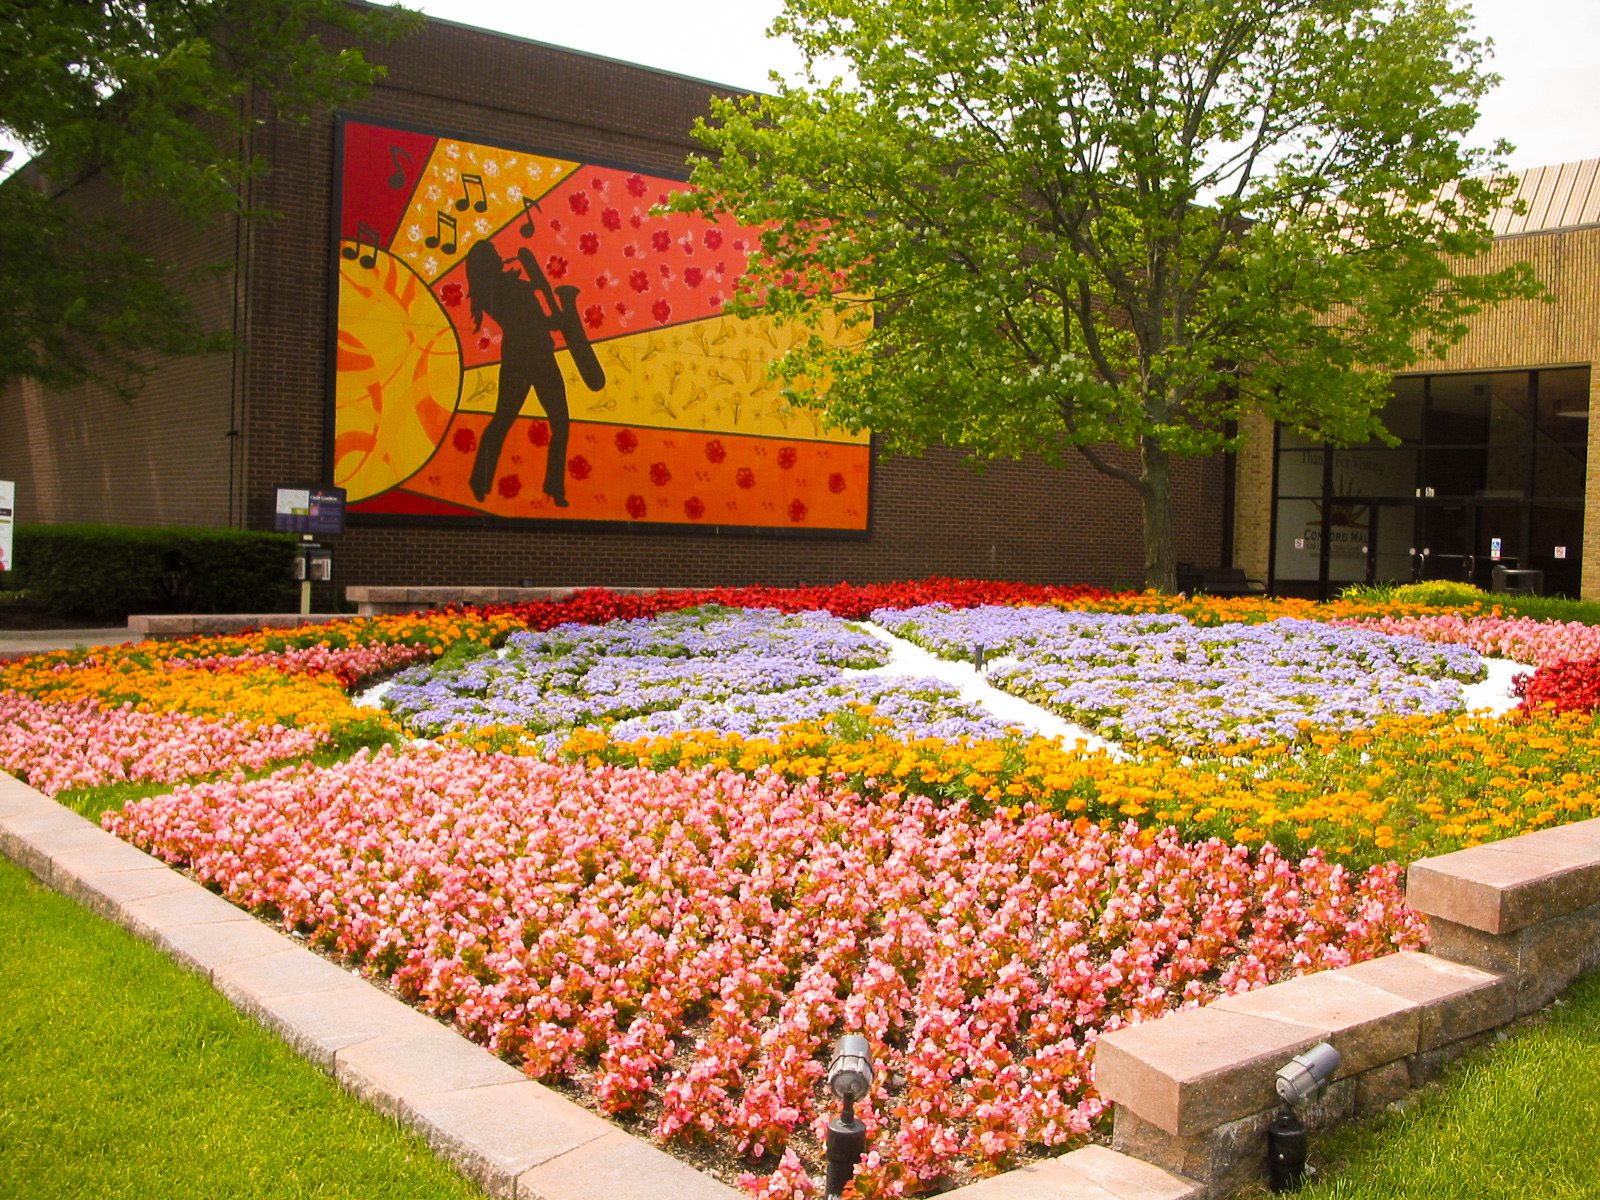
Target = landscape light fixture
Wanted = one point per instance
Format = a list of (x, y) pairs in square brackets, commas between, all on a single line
[(1298, 1080), (978, 655), (850, 1079)]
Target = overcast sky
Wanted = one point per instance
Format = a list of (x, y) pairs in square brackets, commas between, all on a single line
[(1548, 52)]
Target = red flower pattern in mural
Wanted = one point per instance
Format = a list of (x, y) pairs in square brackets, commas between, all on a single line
[(539, 433), (694, 508), (579, 467), (636, 507), (787, 457), (589, 243), (627, 441), (465, 441), (579, 202), (836, 483), (716, 452), (797, 511), (661, 311), (509, 486), (745, 477), (660, 475)]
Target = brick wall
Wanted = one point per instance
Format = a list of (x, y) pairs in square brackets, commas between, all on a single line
[(930, 515)]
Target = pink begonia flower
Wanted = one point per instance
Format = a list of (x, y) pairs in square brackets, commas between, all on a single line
[(687, 944)]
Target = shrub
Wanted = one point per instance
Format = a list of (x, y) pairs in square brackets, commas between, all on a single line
[(1438, 592), (106, 572)]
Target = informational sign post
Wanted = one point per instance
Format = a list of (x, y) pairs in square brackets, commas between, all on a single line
[(8, 505), (311, 512), (1494, 549)]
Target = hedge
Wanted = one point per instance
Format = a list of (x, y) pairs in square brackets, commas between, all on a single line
[(106, 572)]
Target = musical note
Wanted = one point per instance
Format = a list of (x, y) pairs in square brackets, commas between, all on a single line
[(398, 179), (366, 236), (468, 182), (441, 222), (529, 207)]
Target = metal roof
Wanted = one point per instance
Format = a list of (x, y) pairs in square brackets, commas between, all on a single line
[(1564, 196)]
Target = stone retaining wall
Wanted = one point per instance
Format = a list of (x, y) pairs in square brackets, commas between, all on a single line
[(1510, 925)]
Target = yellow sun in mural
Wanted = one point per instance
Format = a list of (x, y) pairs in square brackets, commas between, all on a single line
[(398, 378)]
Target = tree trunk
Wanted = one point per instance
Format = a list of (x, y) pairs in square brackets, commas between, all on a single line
[(1155, 493)]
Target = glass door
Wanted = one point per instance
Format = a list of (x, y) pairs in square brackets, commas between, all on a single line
[(1444, 540)]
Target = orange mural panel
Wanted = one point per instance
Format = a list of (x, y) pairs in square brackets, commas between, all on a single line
[(524, 336)]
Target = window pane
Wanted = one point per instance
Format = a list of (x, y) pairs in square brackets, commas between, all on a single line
[(1458, 410), (1453, 472), (1402, 416), (1299, 540), (1375, 474), (1300, 472), (1564, 409)]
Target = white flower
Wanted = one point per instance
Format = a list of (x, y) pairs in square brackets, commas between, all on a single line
[(414, 232), (491, 168)]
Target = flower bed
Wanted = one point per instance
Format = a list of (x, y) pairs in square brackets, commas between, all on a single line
[(813, 848), (684, 944), (1158, 679), (1521, 639)]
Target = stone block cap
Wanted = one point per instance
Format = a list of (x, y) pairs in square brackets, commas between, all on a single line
[(1502, 887)]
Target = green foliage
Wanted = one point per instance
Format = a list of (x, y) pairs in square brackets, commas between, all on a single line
[(127, 1077), (1114, 225), (159, 100), (1441, 592), (105, 572)]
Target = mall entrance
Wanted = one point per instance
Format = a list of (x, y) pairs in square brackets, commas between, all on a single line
[(1489, 472)]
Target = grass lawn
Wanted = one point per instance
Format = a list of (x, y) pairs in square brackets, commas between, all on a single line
[(1515, 1122), (122, 1075)]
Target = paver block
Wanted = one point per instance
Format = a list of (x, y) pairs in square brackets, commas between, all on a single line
[(1129, 1178), (320, 1024), (1366, 1024), (619, 1167), (17, 797), (1505, 886), (1454, 999), (193, 905), (423, 1058), (288, 970), (1050, 1179), (1382, 1086), (1194, 1069), (107, 892), (211, 946), (103, 854), (1553, 955), (498, 1133)]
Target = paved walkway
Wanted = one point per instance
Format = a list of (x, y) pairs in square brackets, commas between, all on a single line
[(16, 642)]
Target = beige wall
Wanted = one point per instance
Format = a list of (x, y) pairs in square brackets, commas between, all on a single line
[(1519, 334)]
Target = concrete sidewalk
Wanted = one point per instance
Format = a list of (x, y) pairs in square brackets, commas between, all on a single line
[(14, 643)]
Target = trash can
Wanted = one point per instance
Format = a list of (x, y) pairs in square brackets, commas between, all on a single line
[(1516, 581)]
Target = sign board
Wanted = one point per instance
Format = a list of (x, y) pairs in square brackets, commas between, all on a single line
[(1299, 543), (8, 504), (309, 510), (1561, 551), (1494, 549)]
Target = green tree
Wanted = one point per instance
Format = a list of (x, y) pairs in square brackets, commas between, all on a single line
[(158, 97), (1109, 226)]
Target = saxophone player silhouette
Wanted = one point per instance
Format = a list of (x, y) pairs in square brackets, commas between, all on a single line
[(529, 312)]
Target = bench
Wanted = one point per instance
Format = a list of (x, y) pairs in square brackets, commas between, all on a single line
[(1217, 581)]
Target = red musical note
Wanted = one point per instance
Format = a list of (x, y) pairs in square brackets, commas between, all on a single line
[(468, 182), (366, 237), (437, 238)]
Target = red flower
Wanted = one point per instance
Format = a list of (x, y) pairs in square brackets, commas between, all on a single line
[(594, 316), (694, 508), (578, 467), (539, 433), (603, 280), (712, 238), (611, 219), (589, 243), (637, 185), (629, 250), (636, 507), (661, 240), (555, 226), (797, 511), (627, 441), (636, 220), (661, 310), (464, 440), (836, 483), (745, 477), (666, 271), (715, 451), (692, 276), (508, 486), (714, 300), (622, 309), (659, 474), (639, 281), (485, 342), (598, 183), (452, 295), (786, 457), (579, 202), (555, 266)]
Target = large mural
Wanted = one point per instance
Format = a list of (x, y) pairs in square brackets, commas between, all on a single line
[(525, 336)]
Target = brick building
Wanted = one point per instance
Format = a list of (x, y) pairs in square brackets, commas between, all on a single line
[(370, 201)]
